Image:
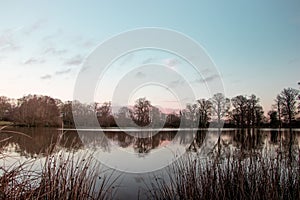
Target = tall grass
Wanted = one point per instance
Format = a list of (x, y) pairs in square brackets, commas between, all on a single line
[(234, 177), (59, 175)]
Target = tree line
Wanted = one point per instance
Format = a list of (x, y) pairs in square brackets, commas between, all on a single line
[(240, 111)]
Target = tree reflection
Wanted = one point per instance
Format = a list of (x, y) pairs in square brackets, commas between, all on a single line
[(198, 141), (41, 141)]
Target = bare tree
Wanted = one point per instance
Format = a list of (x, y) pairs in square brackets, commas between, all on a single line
[(104, 114), (124, 117), (83, 113), (141, 112), (220, 106), (155, 117), (239, 112), (189, 115), (66, 113), (172, 120), (104, 110), (254, 111), (204, 112), (288, 100), (34, 110), (278, 106), (5, 108), (274, 122)]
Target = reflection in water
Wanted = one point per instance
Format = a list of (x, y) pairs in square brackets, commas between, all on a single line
[(39, 141), (233, 141), (43, 140)]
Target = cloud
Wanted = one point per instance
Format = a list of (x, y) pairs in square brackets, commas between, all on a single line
[(88, 43), (57, 73), (32, 61), (54, 51), (140, 75), (206, 70), (171, 62), (63, 71), (52, 36), (7, 40), (47, 76), (34, 27), (149, 60), (76, 60), (176, 83), (208, 78), (82, 42)]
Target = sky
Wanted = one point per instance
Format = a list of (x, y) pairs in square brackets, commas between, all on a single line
[(255, 45)]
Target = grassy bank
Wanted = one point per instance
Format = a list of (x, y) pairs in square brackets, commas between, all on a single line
[(234, 177), (5, 123)]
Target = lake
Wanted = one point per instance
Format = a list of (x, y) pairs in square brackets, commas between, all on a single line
[(135, 155)]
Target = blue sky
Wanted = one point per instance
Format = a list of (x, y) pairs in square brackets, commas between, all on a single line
[(254, 44)]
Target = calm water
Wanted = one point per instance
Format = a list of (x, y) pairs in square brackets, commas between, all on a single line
[(137, 154)]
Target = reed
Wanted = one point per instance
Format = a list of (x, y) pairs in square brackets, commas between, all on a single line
[(255, 176), (59, 174)]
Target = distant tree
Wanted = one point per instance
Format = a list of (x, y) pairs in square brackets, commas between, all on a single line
[(104, 114), (83, 113), (204, 112), (247, 112), (220, 106), (189, 115), (172, 120), (141, 112), (36, 110), (5, 108), (156, 117), (254, 111), (124, 117), (274, 122), (258, 117), (278, 106), (66, 113), (104, 110), (288, 100), (239, 111)]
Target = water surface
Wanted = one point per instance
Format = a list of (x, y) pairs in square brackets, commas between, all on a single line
[(137, 154)]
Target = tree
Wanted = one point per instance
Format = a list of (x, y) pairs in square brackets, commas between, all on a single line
[(141, 112), (220, 106), (189, 115), (36, 110), (172, 120), (66, 113), (83, 114), (287, 100), (254, 111), (278, 106), (104, 114), (124, 117), (247, 111), (5, 108), (239, 104), (155, 117), (204, 112), (274, 122)]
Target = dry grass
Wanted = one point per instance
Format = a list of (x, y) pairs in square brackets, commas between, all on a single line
[(61, 175), (235, 177)]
